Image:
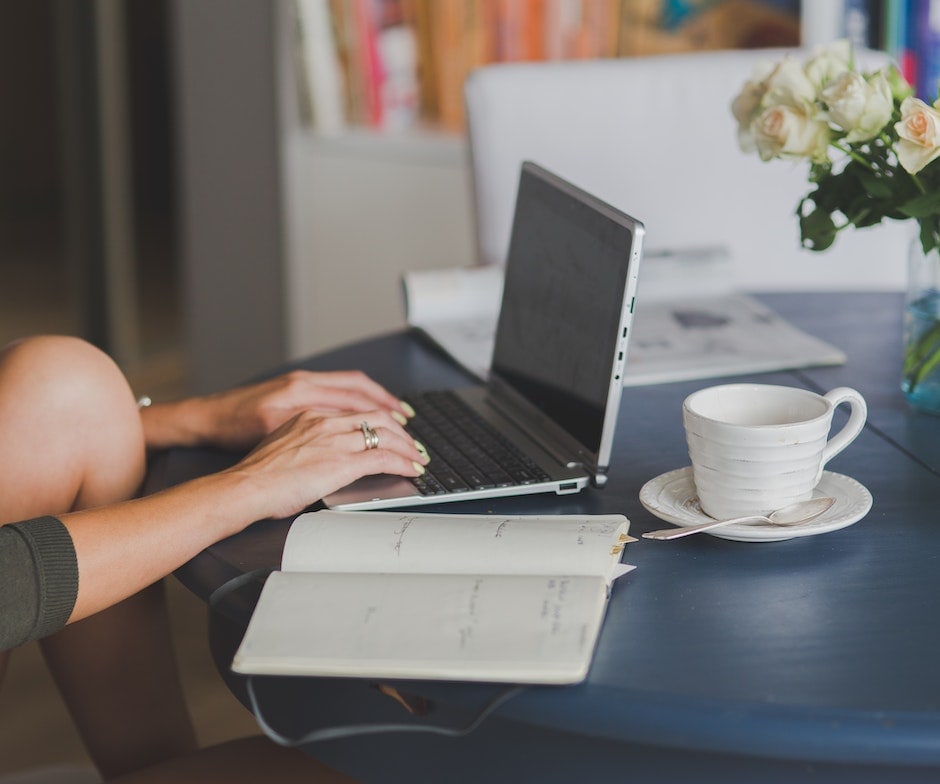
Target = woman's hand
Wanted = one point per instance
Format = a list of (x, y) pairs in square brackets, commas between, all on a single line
[(313, 455), (239, 418), (121, 548)]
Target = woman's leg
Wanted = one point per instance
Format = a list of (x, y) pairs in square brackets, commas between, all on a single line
[(70, 438)]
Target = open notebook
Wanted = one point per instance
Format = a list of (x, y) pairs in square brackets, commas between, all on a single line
[(453, 597)]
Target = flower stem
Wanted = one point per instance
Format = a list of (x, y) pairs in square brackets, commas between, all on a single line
[(922, 357), (854, 155), (918, 183)]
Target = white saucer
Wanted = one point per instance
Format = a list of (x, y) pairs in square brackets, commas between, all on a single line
[(671, 497)]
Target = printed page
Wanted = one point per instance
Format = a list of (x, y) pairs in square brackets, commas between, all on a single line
[(441, 295), (448, 627), (396, 542), (676, 336), (457, 309), (469, 341), (708, 337)]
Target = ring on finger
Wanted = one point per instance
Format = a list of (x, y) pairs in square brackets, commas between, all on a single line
[(370, 436)]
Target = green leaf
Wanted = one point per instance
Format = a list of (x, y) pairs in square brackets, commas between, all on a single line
[(868, 218), (929, 233), (877, 186), (817, 229), (922, 206)]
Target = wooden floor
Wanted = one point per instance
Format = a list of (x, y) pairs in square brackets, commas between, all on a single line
[(35, 296)]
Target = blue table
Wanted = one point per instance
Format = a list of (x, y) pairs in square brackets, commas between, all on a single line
[(810, 659)]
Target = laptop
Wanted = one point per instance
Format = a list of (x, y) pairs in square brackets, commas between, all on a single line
[(553, 393)]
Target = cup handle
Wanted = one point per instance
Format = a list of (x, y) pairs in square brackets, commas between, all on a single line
[(852, 428)]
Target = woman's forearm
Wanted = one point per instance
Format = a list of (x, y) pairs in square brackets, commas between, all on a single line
[(125, 547), (183, 423)]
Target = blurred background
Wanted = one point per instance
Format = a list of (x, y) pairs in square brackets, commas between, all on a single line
[(61, 269)]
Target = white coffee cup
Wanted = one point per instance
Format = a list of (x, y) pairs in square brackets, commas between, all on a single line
[(757, 447)]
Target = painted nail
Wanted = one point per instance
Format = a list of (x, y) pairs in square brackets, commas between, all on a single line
[(400, 418), (420, 447), (409, 411), (419, 468)]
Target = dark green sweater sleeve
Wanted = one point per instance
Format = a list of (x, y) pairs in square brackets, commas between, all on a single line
[(38, 580)]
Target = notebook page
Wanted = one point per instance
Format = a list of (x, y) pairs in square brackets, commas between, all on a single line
[(396, 542), (451, 627)]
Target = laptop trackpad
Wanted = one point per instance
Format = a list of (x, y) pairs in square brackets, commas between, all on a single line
[(371, 488)]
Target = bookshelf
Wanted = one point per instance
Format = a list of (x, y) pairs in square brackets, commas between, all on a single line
[(395, 64)]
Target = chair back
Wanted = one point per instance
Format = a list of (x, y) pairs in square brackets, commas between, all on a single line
[(655, 137)]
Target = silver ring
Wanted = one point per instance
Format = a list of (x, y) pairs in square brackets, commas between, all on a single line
[(369, 434)]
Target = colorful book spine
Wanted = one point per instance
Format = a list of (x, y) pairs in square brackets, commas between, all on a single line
[(323, 77), (897, 39), (927, 48), (370, 62)]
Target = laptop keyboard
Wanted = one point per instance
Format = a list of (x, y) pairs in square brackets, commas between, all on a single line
[(466, 452)]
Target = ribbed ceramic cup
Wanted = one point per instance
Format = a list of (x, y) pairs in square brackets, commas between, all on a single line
[(757, 447)]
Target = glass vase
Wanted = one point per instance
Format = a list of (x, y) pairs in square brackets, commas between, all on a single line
[(920, 379)]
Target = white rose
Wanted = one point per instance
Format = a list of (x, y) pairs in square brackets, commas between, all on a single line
[(919, 132), (829, 63), (746, 105), (745, 108), (788, 85), (858, 106), (787, 132)]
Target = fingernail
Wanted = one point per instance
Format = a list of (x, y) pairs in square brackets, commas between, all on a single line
[(400, 418), (419, 468), (420, 447), (409, 411)]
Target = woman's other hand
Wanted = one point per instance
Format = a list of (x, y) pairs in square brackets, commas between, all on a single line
[(241, 417)]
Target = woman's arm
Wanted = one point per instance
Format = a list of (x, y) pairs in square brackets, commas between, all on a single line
[(74, 441), (124, 547)]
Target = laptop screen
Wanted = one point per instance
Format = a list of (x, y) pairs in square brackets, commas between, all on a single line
[(566, 274)]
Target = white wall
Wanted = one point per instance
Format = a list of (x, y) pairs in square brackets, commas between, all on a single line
[(360, 211)]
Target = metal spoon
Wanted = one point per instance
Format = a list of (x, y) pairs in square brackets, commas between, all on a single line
[(794, 514)]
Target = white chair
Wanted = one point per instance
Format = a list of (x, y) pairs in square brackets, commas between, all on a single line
[(655, 137)]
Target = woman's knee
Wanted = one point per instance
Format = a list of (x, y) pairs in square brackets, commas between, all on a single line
[(65, 405)]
